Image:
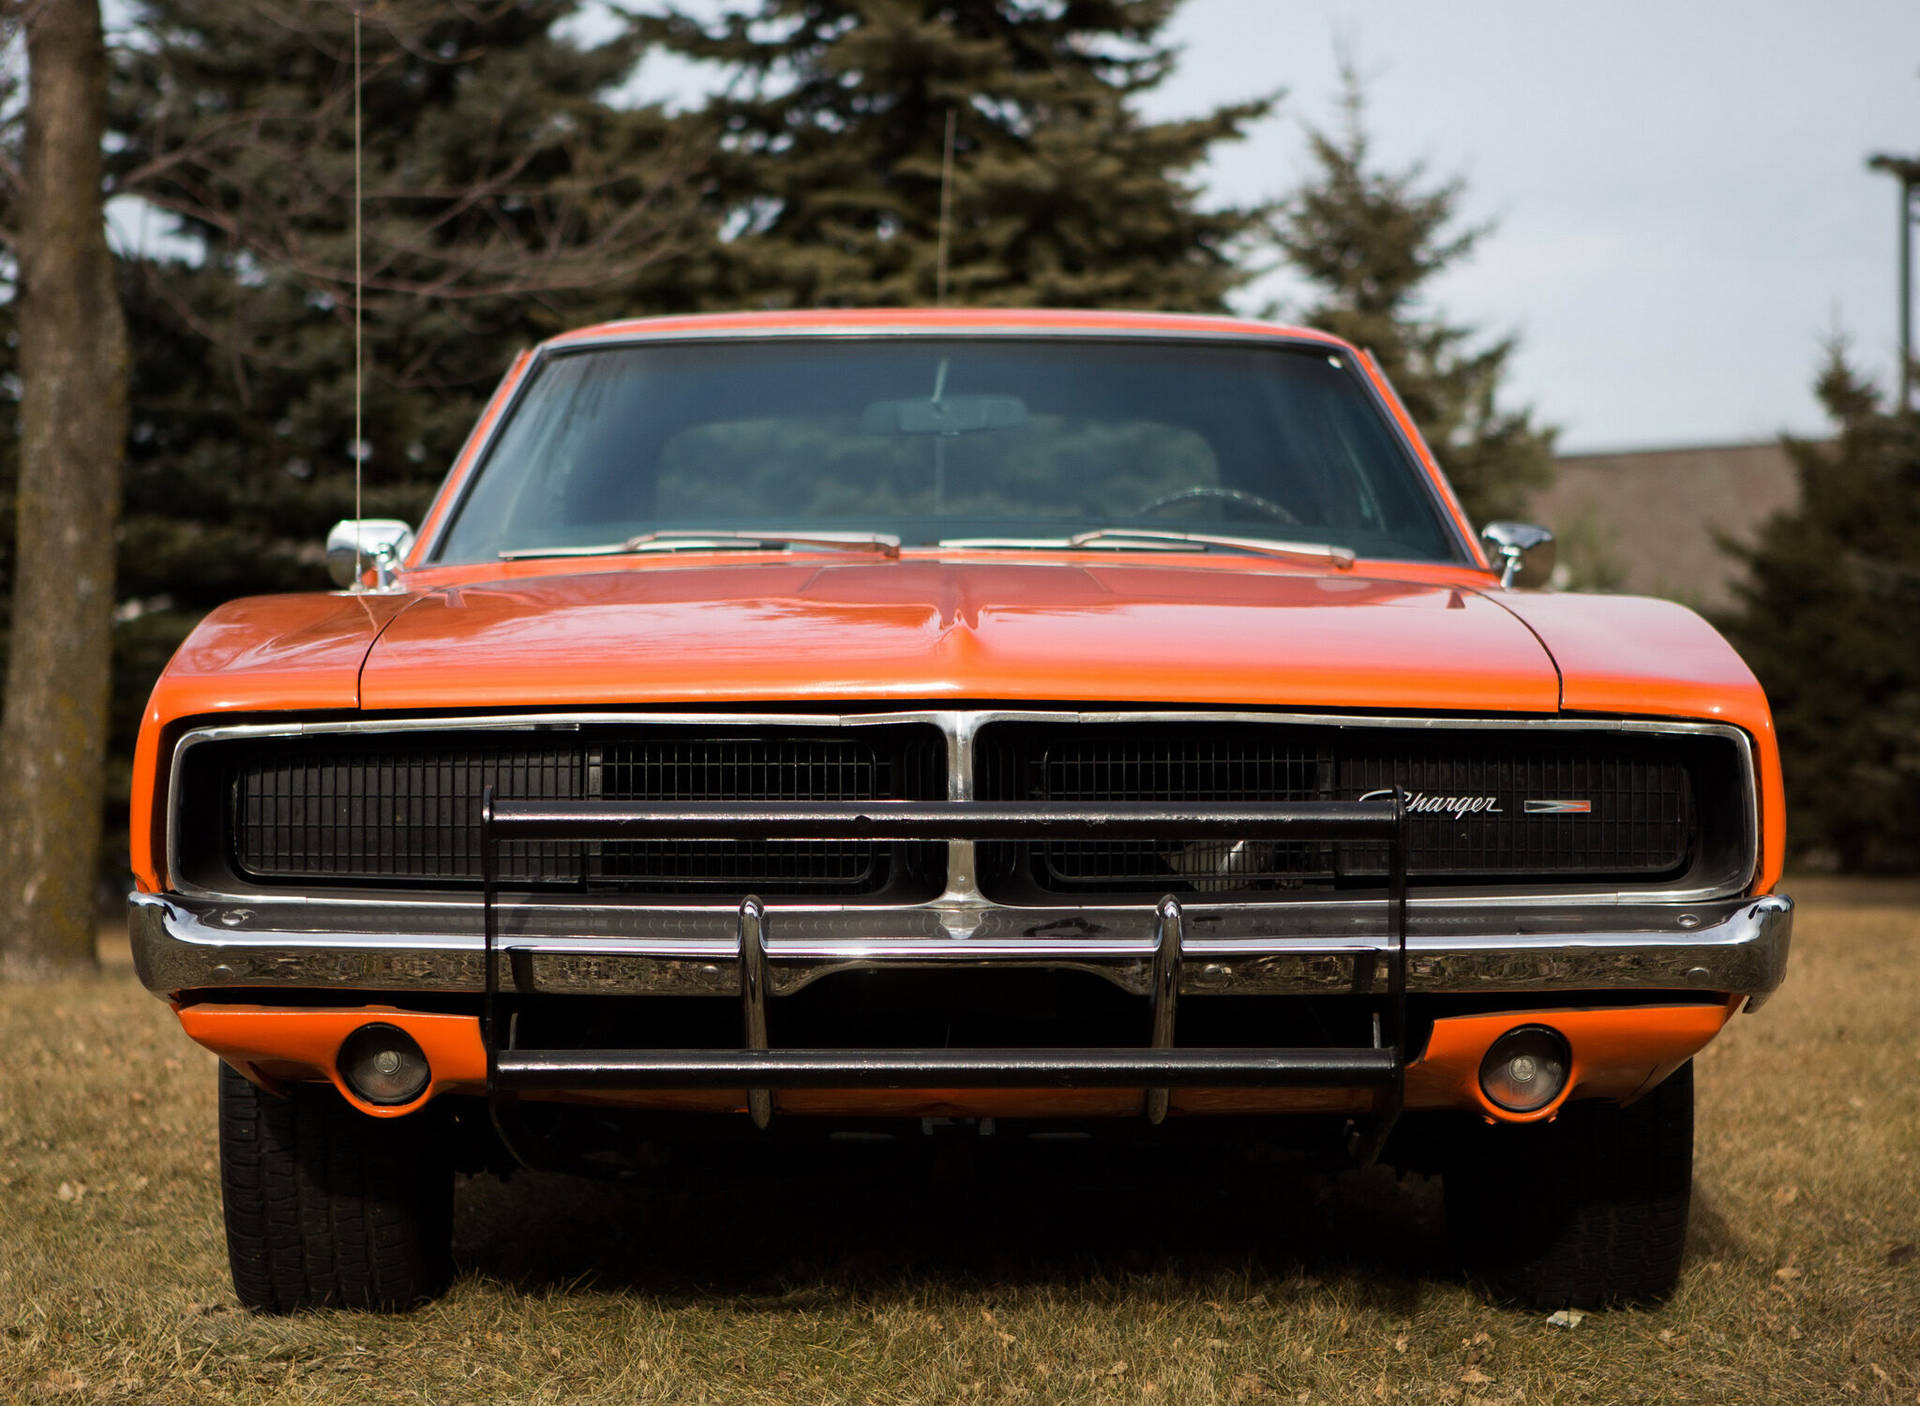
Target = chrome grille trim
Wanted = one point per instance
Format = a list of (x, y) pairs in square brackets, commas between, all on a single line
[(960, 906)]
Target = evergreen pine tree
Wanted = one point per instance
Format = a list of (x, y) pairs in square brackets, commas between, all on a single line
[(1061, 193), (1369, 241), (507, 197), (1825, 616)]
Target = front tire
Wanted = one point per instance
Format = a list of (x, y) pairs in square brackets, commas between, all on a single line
[(329, 1208), (1583, 1212)]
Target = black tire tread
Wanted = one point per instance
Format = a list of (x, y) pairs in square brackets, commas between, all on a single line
[(326, 1207), (1585, 1212)]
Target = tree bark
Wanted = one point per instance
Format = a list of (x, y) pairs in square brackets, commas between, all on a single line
[(73, 419)]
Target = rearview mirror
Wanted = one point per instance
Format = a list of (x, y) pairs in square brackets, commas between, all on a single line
[(356, 543), (952, 415), (1522, 552)]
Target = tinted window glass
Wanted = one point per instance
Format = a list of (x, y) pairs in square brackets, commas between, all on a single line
[(940, 439)]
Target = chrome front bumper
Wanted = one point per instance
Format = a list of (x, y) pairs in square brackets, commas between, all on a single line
[(1458, 946)]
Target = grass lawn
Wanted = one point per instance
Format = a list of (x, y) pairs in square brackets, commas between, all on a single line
[(980, 1271)]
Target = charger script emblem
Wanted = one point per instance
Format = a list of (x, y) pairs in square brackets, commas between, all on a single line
[(1421, 803), (1459, 807)]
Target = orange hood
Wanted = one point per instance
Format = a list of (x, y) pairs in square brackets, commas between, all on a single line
[(928, 629)]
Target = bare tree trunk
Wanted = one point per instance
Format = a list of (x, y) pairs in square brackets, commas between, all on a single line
[(73, 417)]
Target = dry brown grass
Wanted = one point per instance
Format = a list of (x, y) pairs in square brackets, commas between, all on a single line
[(981, 1273)]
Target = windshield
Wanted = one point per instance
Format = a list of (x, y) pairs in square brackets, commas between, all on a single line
[(930, 440)]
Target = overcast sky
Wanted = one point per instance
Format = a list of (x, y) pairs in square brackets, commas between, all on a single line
[(1683, 204)]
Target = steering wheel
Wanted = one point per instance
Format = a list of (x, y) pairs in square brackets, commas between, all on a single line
[(1226, 495)]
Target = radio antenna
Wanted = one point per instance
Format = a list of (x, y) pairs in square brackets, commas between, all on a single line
[(359, 373), (946, 211)]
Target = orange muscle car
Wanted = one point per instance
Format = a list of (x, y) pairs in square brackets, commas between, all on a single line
[(792, 723)]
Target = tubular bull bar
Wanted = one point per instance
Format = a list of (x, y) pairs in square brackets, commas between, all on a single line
[(1158, 1067)]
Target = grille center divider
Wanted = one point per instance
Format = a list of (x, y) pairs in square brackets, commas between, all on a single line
[(759, 1069)]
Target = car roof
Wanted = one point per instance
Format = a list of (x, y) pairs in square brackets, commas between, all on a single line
[(937, 320)]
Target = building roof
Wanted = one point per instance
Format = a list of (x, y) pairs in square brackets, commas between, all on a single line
[(1656, 514)]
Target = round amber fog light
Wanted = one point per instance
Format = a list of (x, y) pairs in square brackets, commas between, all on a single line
[(382, 1064), (1525, 1069)]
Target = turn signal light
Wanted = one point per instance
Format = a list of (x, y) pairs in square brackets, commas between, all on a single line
[(383, 1065), (1526, 1068)]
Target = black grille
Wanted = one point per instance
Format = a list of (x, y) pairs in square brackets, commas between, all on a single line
[(1639, 794), (1142, 764), (387, 810), (1472, 789), (407, 809), (401, 810)]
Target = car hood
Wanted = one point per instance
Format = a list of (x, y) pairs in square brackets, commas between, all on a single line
[(917, 629)]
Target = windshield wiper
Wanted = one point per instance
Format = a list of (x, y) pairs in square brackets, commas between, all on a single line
[(1119, 538), (1341, 557), (721, 539)]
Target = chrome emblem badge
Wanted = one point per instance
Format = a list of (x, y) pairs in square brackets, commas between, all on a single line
[(1423, 803), (1460, 807)]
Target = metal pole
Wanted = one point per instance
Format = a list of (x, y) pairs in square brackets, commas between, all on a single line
[(1906, 292), (1905, 170)]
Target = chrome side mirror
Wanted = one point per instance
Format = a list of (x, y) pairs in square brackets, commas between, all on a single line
[(1523, 551), (356, 543)]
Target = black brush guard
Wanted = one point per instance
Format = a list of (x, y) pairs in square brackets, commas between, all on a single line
[(1157, 1068)]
